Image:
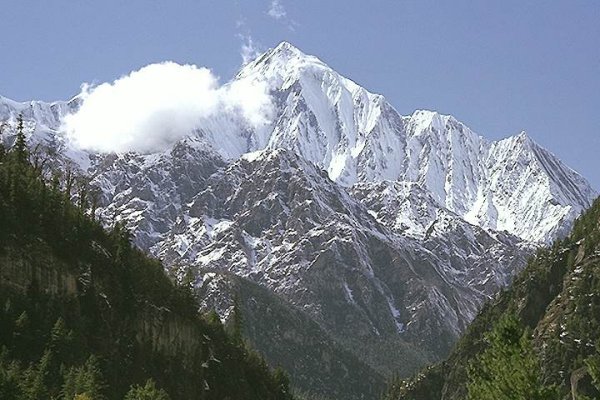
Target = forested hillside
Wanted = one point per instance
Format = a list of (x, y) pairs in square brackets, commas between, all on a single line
[(537, 340), (85, 315)]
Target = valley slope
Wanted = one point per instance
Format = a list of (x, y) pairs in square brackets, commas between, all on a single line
[(556, 297)]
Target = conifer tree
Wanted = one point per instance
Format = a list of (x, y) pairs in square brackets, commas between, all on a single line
[(593, 366), (122, 238), (20, 146), (61, 341), (2, 148), (34, 380), (147, 392), (509, 368), (9, 377), (22, 337), (85, 380), (282, 380), (238, 322)]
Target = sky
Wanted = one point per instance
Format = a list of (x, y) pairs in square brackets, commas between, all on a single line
[(500, 67)]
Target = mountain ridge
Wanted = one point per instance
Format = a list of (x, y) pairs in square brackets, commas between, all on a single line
[(357, 136)]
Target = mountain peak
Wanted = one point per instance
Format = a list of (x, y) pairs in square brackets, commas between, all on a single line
[(427, 119), (520, 140), (284, 60), (286, 55), (287, 47), (523, 137)]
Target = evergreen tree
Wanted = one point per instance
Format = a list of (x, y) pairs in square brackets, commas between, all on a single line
[(237, 322), (20, 146), (509, 369), (147, 392), (9, 378), (593, 367), (22, 337), (282, 380), (2, 148), (34, 381), (83, 396), (122, 238), (86, 380), (61, 342)]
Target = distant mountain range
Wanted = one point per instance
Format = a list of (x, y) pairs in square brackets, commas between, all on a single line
[(369, 238)]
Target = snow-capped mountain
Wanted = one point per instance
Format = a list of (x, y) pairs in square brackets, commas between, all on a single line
[(356, 136), (510, 185), (387, 232)]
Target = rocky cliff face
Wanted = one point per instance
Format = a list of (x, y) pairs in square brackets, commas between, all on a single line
[(387, 232)]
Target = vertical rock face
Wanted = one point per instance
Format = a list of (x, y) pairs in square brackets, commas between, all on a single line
[(386, 232)]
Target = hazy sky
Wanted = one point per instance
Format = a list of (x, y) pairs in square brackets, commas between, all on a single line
[(500, 68)]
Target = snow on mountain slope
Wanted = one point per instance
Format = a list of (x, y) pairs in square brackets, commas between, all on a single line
[(278, 220), (47, 116), (42, 122), (528, 191), (474, 257), (356, 136)]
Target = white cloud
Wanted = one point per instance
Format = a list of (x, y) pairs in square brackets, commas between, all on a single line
[(157, 105), (249, 50), (276, 10)]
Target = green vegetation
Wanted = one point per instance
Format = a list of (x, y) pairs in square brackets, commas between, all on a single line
[(557, 299), (147, 392), (85, 315), (508, 369)]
